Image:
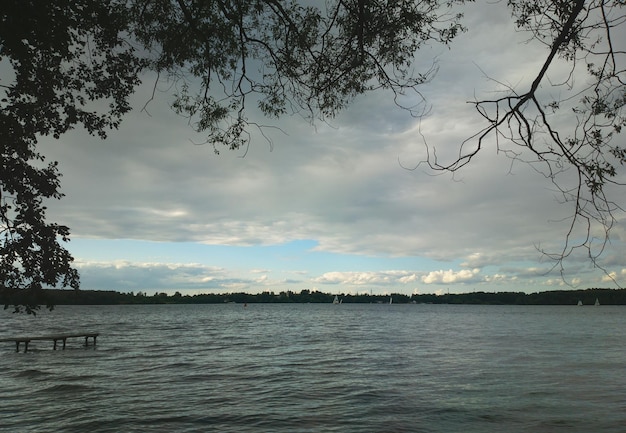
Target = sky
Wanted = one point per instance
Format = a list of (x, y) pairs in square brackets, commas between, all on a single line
[(339, 207)]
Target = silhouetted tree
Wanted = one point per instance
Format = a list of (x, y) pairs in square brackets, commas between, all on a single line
[(58, 58), (71, 63)]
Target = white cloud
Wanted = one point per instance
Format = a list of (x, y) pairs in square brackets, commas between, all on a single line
[(450, 276), (352, 278), (408, 279), (379, 279)]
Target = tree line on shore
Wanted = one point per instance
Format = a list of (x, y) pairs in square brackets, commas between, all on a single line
[(111, 297)]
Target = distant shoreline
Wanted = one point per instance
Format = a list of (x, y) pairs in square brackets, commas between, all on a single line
[(111, 297)]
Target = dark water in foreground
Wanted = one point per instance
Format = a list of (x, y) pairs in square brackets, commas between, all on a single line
[(319, 368)]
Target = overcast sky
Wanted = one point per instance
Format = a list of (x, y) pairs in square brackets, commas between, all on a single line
[(330, 207)]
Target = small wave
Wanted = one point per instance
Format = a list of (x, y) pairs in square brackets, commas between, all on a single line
[(68, 387), (32, 373)]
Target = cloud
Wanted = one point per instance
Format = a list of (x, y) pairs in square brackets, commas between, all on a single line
[(397, 278), (353, 278), (613, 276), (342, 184), (149, 277), (408, 279), (126, 276), (451, 277), (378, 279)]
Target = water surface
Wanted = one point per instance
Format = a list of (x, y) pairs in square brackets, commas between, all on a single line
[(318, 368)]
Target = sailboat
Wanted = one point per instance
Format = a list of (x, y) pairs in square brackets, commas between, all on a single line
[(390, 300), (336, 300), (597, 302), (580, 303)]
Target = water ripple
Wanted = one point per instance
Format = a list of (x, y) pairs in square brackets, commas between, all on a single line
[(320, 368)]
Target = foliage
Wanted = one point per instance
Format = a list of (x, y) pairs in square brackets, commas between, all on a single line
[(63, 55), (284, 55)]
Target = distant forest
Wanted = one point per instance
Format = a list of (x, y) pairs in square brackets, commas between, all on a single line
[(110, 297)]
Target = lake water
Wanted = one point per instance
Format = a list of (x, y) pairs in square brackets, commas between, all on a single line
[(318, 368)]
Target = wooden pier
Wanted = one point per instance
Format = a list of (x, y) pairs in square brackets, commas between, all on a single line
[(54, 338)]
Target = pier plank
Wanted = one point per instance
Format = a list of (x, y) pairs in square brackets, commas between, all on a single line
[(53, 337)]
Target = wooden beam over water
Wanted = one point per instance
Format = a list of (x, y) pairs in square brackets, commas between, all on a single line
[(54, 338)]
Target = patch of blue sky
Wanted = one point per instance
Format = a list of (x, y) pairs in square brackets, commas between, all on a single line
[(292, 256)]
